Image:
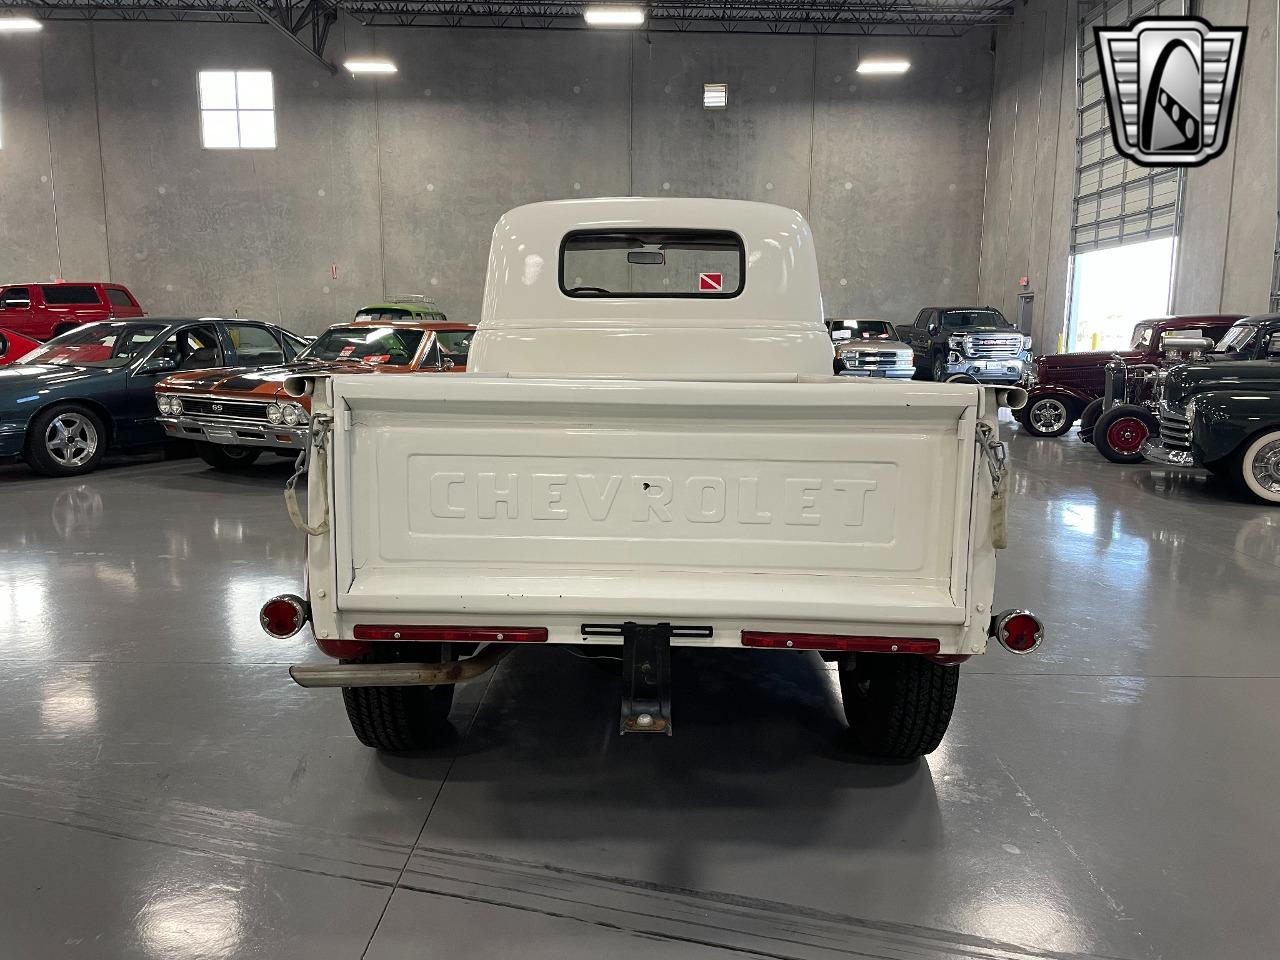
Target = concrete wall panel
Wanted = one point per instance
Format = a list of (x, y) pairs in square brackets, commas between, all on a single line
[(898, 175), (394, 184)]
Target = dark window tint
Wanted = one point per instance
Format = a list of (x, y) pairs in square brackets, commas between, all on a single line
[(652, 263), (64, 294), (961, 319), (16, 298), (118, 298), (254, 345), (922, 319)]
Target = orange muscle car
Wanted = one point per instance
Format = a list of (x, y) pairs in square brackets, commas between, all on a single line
[(234, 415)]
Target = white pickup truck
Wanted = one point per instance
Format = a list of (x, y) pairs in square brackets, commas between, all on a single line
[(649, 450)]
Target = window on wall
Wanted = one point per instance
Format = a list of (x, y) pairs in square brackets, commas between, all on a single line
[(237, 110)]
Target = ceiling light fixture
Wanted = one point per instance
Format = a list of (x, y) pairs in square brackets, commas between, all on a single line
[(614, 16), (370, 66), (715, 96), (19, 25), (884, 66)]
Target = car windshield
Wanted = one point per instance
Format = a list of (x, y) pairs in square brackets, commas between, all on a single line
[(395, 345), (1141, 336), (97, 345), (383, 314), (862, 330), (1236, 339), (963, 319)]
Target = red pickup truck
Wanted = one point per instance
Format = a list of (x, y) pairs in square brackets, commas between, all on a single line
[(44, 310)]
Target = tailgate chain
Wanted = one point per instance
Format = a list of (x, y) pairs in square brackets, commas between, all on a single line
[(996, 453), (318, 435)]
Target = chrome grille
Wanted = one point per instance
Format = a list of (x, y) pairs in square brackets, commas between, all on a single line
[(998, 345), (203, 407), (1175, 428), (875, 359)]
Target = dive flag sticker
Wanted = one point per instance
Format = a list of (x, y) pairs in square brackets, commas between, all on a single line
[(710, 282)]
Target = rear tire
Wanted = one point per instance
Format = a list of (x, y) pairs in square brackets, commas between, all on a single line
[(1120, 432), (399, 718), (227, 457), (1088, 418), (1048, 416), (898, 705)]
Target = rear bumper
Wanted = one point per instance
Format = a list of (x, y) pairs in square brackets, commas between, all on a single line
[(236, 433), (1156, 451)]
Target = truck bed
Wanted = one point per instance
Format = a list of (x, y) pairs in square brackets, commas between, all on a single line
[(809, 505)]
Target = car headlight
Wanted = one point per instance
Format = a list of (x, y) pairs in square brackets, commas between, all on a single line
[(163, 403), (175, 406), (274, 412), (1026, 343), (955, 343), (290, 414)]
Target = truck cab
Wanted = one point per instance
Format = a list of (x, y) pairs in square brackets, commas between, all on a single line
[(976, 343), (649, 452), (45, 310)]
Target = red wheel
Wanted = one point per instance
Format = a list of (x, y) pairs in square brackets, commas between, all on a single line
[(1121, 431)]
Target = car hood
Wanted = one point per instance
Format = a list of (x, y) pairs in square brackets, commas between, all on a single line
[(19, 376), (252, 379), (871, 346), (1188, 379), (1090, 358), (965, 331)]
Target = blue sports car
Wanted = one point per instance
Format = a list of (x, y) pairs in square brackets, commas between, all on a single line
[(63, 405)]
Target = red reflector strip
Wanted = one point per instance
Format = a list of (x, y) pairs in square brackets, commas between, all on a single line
[(823, 641), (452, 634)]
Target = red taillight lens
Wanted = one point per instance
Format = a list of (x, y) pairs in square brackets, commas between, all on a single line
[(1019, 631), (823, 641), (283, 616), (451, 634)]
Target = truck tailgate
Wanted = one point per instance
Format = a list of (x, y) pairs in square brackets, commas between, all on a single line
[(802, 504)]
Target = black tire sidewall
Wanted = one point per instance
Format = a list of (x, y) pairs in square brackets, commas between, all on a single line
[(1024, 415), (1118, 412), (218, 456), (37, 456), (938, 361)]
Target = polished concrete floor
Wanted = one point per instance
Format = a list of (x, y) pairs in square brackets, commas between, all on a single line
[(166, 792)]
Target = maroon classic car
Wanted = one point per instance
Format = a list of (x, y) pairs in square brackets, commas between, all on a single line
[(1063, 387)]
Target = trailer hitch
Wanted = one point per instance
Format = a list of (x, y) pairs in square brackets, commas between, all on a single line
[(646, 678)]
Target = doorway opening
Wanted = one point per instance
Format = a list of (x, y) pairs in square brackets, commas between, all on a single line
[(1113, 289)]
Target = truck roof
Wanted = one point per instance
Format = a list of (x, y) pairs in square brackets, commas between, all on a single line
[(780, 287)]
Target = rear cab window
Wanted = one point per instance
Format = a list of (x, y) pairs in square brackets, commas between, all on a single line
[(69, 294), (709, 264)]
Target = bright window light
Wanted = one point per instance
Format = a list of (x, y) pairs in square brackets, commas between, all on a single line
[(18, 25), (370, 66), (884, 66), (237, 110), (715, 96), (614, 16)]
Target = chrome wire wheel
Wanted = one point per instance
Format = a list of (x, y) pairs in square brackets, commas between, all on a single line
[(71, 439), (1048, 415)]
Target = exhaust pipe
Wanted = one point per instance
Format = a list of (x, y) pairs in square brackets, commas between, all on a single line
[(397, 674)]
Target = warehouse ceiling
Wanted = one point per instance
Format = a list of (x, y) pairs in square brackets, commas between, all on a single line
[(308, 22), (859, 17)]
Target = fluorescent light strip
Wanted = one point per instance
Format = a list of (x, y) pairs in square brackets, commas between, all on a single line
[(884, 66), (370, 66), (614, 16), (19, 25), (715, 96)]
